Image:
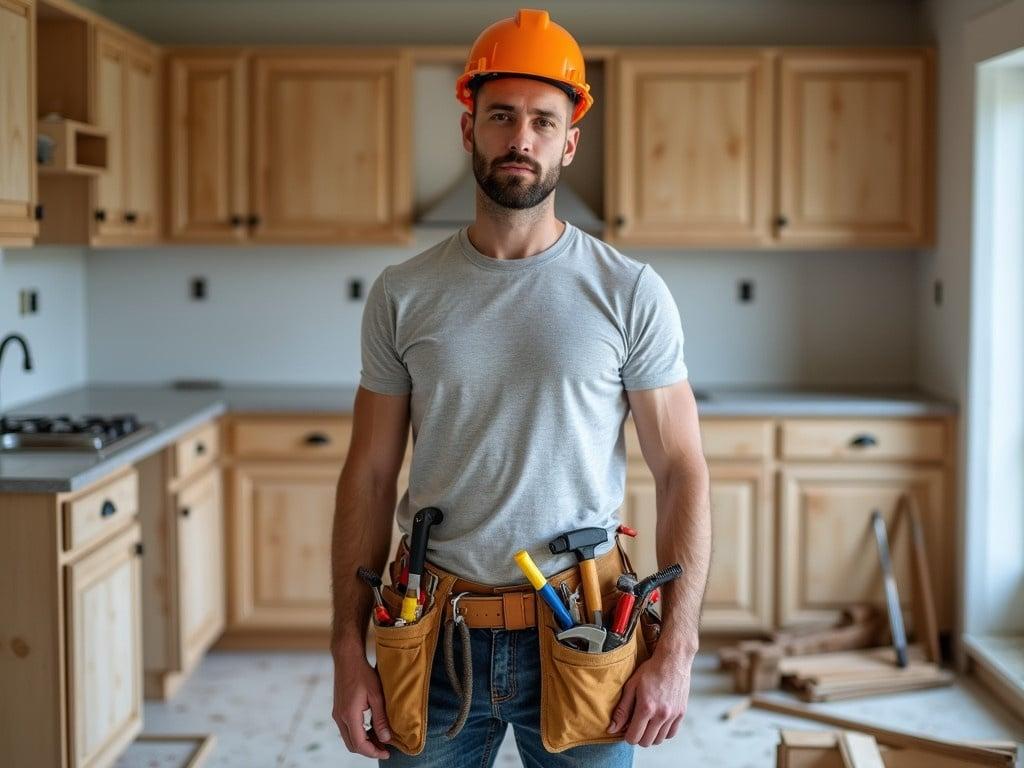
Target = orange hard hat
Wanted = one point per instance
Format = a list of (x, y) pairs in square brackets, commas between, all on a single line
[(527, 45)]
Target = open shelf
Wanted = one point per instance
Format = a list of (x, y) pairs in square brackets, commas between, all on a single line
[(77, 147)]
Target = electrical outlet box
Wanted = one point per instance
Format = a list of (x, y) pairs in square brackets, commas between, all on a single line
[(28, 301)]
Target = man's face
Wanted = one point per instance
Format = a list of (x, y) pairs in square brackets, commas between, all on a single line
[(520, 138)]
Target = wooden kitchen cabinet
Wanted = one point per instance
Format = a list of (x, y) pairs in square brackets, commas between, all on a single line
[(694, 148), (289, 146), (739, 591), (184, 576), (127, 88), (70, 624), (855, 148), (104, 651), (283, 477), (207, 141), (828, 558), (18, 225), (774, 148)]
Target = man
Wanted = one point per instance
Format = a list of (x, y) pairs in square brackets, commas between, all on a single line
[(516, 349)]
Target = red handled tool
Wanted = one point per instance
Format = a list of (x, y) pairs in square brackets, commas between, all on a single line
[(624, 606), (380, 611)]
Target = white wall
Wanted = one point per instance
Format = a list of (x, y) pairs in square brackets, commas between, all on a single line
[(281, 314), (55, 335)]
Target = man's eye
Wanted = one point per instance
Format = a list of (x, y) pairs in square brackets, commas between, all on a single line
[(546, 123), (497, 115)]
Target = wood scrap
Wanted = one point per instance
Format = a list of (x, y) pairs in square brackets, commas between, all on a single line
[(926, 625), (736, 709), (980, 756), (859, 750), (822, 749), (849, 674)]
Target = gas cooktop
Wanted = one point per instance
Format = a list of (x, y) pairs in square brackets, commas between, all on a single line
[(84, 433)]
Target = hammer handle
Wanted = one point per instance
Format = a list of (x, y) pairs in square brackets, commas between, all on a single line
[(591, 587)]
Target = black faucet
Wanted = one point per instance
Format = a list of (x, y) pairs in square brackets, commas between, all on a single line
[(24, 346)]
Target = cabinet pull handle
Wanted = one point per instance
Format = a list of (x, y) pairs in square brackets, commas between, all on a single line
[(200, 449), (781, 221), (101, 215), (863, 441), (317, 438), (108, 508), (131, 216), (254, 220), (620, 221), (237, 221), (185, 511), (39, 212), (139, 549)]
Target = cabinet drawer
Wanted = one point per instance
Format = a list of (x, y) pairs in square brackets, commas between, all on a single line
[(923, 440), (720, 438), (102, 511), (292, 437), (196, 450)]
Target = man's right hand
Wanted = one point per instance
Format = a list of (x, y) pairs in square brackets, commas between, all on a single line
[(356, 689)]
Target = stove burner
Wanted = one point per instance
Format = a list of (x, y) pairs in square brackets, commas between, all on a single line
[(89, 431)]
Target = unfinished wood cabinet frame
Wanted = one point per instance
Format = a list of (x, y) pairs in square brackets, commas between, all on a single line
[(18, 184)]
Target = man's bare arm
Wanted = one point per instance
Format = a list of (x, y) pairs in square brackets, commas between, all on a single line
[(364, 511), (669, 433)]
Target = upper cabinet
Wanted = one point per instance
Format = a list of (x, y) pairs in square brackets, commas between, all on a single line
[(855, 148), (98, 89), (127, 108), (18, 224), (694, 148), (774, 148), (289, 146)]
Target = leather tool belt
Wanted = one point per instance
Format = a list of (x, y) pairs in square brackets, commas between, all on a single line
[(511, 607)]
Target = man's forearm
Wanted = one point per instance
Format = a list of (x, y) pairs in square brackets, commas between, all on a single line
[(684, 537), (363, 520)]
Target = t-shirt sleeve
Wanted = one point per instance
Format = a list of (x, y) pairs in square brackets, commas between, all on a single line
[(654, 332), (383, 370)]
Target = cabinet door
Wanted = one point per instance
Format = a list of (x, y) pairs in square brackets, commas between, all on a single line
[(331, 148), (828, 558), (104, 651), (110, 115), (200, 521), (694, 158), (141, 157), (855, 148), (17, 123), (208, 154), (281, 519), (739, 589)]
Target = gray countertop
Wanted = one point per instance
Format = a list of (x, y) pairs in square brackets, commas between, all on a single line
[(173, 412)]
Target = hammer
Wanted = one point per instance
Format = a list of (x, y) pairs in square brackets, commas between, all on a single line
[(593, 636), (583, 541)]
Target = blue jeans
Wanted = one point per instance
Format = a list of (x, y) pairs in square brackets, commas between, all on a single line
[(506, 690)]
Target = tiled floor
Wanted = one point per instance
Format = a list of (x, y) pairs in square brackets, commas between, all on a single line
[(274, 710)]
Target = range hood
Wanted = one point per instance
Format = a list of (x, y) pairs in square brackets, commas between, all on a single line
[(457, 207)]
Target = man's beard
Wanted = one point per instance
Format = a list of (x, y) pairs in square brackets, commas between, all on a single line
[(514, 190)]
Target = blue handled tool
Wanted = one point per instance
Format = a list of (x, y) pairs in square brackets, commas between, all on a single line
[(545, 590)]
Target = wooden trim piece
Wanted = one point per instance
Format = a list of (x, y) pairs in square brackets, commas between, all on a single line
[(205, 742)]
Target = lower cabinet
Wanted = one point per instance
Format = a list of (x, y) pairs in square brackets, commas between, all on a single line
[(828, 557), (70, 625), (104, 650)]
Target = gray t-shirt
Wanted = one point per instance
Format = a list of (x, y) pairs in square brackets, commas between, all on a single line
[(518, 370)]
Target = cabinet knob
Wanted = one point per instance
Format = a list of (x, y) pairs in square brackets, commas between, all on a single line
[(139, 549), (185, 511), (781, 221), (254, 220), (317, 438), (131, 217), (39, 212), (100, 215), (863, 441), (237, 220), (200, 449), (620, 221), (108, 508)]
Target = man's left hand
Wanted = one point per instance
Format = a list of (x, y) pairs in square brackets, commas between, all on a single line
[(653, 701)]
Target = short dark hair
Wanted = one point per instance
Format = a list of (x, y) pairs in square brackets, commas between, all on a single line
[(476, 82)]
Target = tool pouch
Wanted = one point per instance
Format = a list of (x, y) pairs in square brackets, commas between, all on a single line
[(580, 690), (405, 656)]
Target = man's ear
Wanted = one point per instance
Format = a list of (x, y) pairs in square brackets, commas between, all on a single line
[(572, 140), (467, 131)]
